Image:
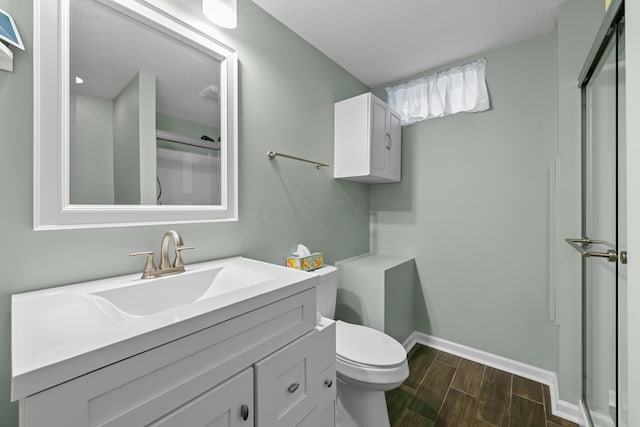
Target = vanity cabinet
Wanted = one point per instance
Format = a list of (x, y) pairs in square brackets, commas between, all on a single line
[(236, 373), (367, 140)]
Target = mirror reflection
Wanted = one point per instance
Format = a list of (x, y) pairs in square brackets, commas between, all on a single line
[(144, 114)]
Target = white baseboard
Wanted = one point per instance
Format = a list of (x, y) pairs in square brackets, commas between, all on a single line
[(559, 407)]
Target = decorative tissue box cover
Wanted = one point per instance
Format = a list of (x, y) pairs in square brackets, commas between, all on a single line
[(306, 263)]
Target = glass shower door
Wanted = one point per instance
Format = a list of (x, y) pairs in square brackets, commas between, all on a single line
[(603, 231)]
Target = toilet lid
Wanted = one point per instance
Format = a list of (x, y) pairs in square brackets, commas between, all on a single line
[(366, 346)]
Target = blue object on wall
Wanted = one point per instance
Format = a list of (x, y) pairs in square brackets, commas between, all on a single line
[(8, 31)]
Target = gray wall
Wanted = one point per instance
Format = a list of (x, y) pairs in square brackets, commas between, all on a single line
[(90, 149), (126, 143), (286, 93), (473, 209), (134, 143), (148, 154)]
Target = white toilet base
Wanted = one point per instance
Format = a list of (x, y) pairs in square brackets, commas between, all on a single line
[(360, 407)]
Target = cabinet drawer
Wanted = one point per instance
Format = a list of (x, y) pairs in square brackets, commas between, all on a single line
[(139, 390), (290, 383)]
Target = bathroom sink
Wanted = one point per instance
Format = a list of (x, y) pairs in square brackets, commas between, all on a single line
[(150, 296), (156, 295), (61, 333)]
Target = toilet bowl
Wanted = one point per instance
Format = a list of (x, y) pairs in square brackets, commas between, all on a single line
[(368, 363)]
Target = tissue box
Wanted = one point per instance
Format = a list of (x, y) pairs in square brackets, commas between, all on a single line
[(306, 263)]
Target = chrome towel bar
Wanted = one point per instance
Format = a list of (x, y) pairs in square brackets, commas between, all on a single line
[(273, 154)]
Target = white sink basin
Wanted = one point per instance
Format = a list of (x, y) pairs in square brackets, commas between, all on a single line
[(64, 332), (151, 296), (160, 294)]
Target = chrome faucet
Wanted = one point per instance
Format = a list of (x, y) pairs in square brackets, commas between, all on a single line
[(166, 267), (164, 250)]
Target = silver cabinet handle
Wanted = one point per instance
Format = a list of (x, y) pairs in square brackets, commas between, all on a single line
[(293, 387), (244, 412)]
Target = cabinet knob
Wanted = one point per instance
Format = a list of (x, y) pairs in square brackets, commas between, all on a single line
[(293, 387), (244, 412), (328, 383)]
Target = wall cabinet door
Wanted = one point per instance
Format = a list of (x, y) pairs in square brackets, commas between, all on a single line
[(394, 132), (367, 142), (379, 137)]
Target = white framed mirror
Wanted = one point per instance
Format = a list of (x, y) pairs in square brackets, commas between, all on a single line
[(135, 118)]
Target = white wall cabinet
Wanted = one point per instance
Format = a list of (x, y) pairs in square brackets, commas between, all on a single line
[(208, 378), (367, 140)]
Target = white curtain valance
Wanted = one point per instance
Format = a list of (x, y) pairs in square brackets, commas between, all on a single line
[(458, 89)]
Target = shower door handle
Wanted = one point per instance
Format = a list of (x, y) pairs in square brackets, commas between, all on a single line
[(582, 244), (611, 255)]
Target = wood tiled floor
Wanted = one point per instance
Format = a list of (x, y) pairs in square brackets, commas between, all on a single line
[(446, 390)]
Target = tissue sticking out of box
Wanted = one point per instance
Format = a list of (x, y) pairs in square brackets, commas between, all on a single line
[(303, 259), (302, 251)]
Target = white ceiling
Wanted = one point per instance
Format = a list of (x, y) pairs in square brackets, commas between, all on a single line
[(379, 41), (108, 49)]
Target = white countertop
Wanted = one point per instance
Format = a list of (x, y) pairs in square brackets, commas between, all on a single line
[(61, 333)]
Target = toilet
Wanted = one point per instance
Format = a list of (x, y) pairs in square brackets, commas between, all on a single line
[(368, 363)]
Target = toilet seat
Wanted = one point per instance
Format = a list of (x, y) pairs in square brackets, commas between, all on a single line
[(369, 357)]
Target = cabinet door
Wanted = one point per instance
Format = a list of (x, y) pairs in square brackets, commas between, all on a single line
[(285, 384), (228, 405), (379, 138), (321, 416), (393, 162), (295, 382), (325, 416)]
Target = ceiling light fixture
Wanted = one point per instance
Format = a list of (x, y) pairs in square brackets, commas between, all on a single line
[(221, 12)]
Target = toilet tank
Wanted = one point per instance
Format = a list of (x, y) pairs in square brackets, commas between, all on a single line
[(327, 290)]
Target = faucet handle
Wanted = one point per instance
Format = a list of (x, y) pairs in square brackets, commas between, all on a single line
[(178, 261), (149, 265)]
